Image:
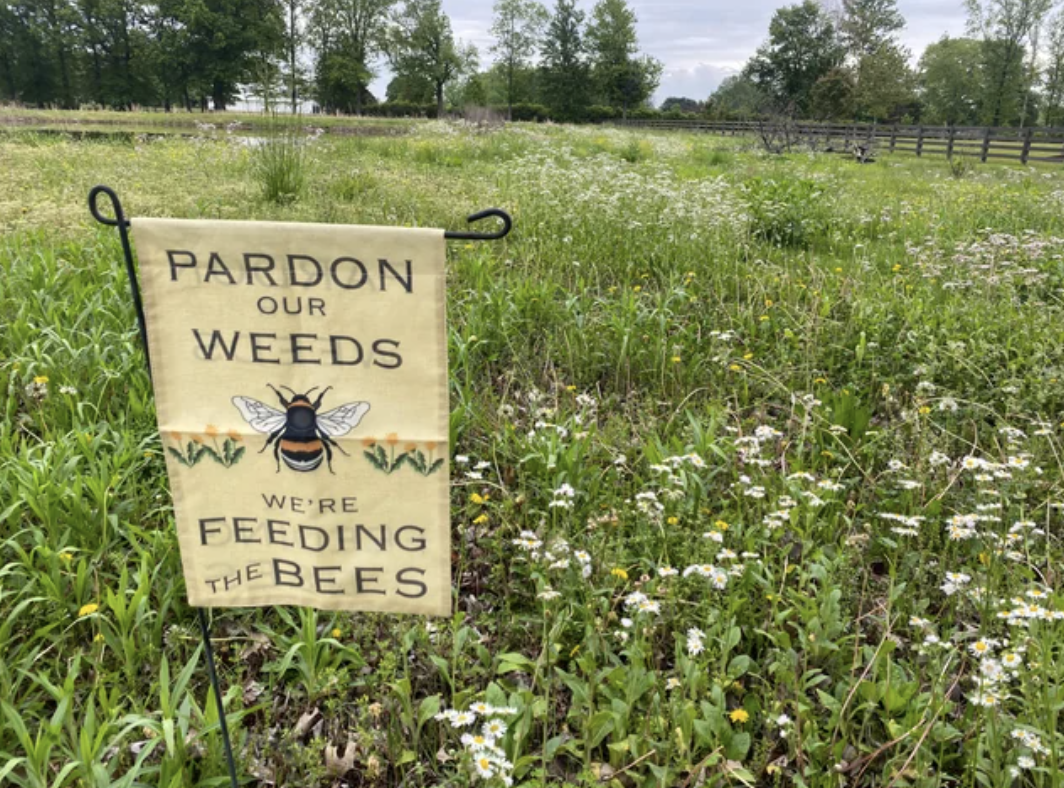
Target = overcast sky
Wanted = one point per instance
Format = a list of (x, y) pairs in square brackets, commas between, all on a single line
[(702, 41)]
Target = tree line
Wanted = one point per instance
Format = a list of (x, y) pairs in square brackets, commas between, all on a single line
[(845, 62), (824, 61), (123, 54)]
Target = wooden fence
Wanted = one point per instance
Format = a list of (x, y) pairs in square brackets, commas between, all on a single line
[(1024, 145)]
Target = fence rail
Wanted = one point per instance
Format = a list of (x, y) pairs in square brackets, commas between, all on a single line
[(1031, 144)]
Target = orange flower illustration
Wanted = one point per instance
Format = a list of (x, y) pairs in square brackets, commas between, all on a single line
[(211, 430)]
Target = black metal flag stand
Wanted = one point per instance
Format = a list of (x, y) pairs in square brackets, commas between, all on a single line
[(122, 223)]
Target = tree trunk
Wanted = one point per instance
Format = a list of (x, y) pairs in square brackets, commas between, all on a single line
[(127, 57), (218, 97), (292, 53), (439, 99), (358, 98)]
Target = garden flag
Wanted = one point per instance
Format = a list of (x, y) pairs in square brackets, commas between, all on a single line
[(300, 375)]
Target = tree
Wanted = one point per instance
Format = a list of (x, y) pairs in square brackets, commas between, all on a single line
[(565, 68), (517, 27), (1006, 27), (681, 104), (410, 88), (832, 97), (950, 80), (886, 86), (802, 48), (1054, 78), (736, 97), (350, 34), (422, 46), (624, 79), (226, 38), (867, 25)]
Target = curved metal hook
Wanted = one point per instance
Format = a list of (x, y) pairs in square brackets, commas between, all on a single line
[(507, 225), (116, 205), (122, 223)]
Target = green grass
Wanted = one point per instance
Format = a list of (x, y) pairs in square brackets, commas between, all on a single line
[(684, 347)]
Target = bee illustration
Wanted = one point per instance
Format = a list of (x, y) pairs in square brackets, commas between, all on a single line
[(299, 434)]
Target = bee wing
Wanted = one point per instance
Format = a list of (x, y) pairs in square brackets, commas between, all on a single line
[(261, 417), (340, 421)]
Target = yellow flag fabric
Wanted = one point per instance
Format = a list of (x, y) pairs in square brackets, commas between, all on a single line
[(300, 375)]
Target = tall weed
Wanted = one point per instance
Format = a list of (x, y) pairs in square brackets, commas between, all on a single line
[(280, 163)]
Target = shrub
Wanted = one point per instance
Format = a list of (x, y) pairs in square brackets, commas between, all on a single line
[(598, 113), (401, 109), (636, 151), (789, 212), (529, 112), (961, 166)]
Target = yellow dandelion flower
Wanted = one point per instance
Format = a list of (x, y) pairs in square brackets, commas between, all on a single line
[(570, 388), (336, 632), (735, 368), (40, 380), (720, 525), (739, 715), (748, 356), (477, 498), (924, 410), (98, 638), (480, 520), (675, 359), (673, 521), (618, 572), (88, 610), (66, 557)]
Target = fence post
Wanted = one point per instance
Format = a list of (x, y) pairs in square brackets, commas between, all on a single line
[(893, 136), (949, 144), (986, 144), (1026, 145), (920, 141)]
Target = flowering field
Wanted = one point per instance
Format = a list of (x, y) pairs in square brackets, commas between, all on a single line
[(758, 477)]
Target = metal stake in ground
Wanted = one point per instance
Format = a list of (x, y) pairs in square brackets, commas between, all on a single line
[(122, 224)]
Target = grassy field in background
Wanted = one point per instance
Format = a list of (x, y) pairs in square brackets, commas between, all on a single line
[(758, 476)]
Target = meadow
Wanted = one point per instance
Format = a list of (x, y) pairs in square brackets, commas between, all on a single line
[(757, 476)]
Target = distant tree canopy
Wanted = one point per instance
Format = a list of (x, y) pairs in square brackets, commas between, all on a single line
[(681, 104), (548, 59)]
